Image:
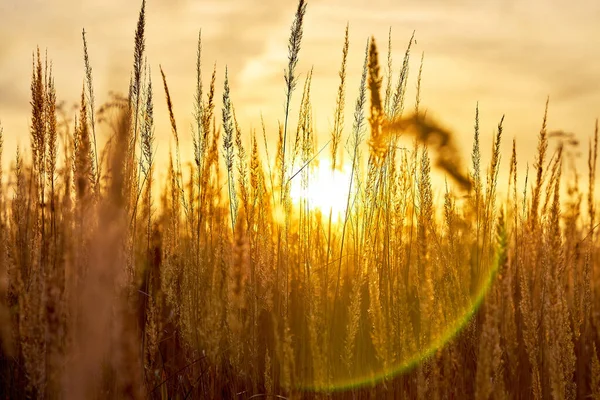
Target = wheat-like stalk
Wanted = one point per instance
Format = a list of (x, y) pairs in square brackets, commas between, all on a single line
[(115, 284)]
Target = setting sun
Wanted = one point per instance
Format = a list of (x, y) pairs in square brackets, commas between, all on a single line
[(326, 189)]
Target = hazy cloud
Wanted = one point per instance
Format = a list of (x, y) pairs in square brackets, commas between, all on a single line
[(509, 55)]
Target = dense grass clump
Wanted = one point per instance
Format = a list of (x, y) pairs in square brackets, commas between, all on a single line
[(112, 286)]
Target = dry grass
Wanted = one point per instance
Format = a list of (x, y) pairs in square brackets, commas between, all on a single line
[(250, 294)]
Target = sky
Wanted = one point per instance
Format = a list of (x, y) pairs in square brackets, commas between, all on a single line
[(506, 55)]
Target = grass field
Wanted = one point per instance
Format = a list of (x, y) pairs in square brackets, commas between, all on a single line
[(312, 269)]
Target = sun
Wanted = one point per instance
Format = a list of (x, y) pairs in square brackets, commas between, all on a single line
[(326, 190)]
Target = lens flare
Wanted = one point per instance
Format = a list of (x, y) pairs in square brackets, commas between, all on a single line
[(388, 339), (373, 373)]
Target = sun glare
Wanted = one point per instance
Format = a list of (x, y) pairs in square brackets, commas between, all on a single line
[(325, 190)]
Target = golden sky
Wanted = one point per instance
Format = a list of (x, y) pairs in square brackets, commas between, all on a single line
[(507, 54)]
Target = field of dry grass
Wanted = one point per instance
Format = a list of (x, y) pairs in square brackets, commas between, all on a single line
[(218, 283)]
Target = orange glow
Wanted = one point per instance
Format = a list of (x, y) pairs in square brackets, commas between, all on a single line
[(326, 190)]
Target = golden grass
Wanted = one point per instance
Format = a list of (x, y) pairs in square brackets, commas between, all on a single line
[(248, 294)]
